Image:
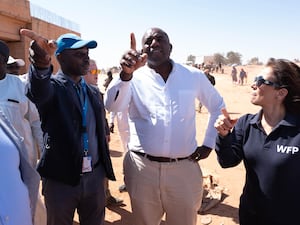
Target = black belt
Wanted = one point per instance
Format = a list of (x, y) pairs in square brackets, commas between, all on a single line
[(159, 158)]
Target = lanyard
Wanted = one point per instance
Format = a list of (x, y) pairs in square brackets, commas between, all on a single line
[(84, 106)]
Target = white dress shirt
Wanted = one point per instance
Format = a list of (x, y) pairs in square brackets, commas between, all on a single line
[(14, 196), (22, 114), (162, 114)]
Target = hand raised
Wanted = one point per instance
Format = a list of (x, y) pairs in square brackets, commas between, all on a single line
[(132, 59), (41, 49), (224, 123)]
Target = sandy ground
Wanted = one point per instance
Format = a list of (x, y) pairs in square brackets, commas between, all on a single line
[(237, 99)]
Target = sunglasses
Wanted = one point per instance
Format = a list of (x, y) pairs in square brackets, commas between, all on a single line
[(94, 72), (259, 80)]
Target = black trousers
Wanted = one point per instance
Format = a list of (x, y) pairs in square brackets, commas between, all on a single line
[(88, 198)]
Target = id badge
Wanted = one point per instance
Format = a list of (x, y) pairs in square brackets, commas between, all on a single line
[(87, 164)]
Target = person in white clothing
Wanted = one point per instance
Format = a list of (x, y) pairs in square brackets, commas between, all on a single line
[(20, 111), (161, 169), (22, 114), (14, 65), (123, 126), (19, 186), (24, 117)]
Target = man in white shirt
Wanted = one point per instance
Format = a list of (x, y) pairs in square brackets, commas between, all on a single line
[(19, 186), (23, 116), (162, 175), (14, 65), (21, 112)]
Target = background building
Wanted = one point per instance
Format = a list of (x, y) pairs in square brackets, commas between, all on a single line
[(17, 14)]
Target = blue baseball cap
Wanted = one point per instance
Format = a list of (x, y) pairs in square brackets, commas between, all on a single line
[(72, 41)]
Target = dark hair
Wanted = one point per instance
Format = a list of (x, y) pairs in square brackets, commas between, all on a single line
[(287, 75), (4, 50)]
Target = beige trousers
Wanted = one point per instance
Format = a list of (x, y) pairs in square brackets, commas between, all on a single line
[(156, 189)]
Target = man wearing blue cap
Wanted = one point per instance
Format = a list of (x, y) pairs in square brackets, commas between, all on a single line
[(75, 157)]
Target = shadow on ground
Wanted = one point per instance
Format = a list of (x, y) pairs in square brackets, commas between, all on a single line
[(224, 210), (126, 217), (124, 214), (221, 209)]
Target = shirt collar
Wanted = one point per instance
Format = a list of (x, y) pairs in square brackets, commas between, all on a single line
[(289, 120), (173, 67), (66, 77)]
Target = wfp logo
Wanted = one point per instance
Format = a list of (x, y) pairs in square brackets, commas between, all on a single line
[(287, 149)]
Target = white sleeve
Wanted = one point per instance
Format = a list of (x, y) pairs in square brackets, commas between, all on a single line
[(213, 101), (117, 95), (35, 124)]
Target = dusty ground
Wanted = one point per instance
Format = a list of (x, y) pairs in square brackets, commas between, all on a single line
[(231, 180)]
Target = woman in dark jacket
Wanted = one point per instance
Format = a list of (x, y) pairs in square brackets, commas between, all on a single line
[(268, 143)]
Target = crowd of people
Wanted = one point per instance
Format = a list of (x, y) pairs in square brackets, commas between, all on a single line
[(54, 128)]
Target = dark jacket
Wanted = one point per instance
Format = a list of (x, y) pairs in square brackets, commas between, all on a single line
[(61, 117), (271, 191)]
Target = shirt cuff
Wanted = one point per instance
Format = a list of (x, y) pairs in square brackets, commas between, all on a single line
[(42, 72)]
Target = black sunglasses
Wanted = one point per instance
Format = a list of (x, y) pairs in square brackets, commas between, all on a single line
[(259, 80)]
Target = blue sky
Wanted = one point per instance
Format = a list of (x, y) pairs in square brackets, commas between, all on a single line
[(254, 28)]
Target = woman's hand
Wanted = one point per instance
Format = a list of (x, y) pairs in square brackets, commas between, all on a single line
[(224, 123)]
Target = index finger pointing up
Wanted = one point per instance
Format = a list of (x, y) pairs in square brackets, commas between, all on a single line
[(29, 33), (225, 113), (132, 41), (48, 46)]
